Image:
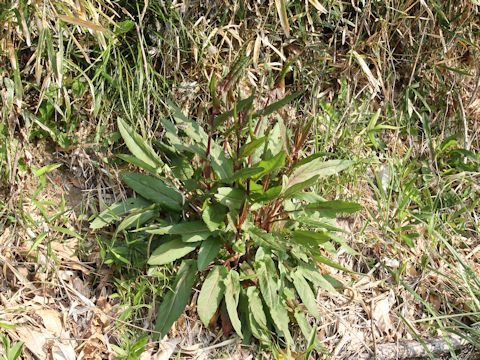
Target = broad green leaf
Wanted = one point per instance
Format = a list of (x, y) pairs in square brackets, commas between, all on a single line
[(324, 260), (181, 167), (191, 128), (208, 252), (136, 220), (230, 197), (331, 208), (315, 277), (243, 174), (244, 316), (278, 105), (170, 251), (310, 239), (277, 140), (267, 277), (308, 331), (306, 294), (177, 298), (232, 293), (214, 216), (272, 164), (294, 189), (267, 240), (138, 146), (137, 162), (256, 309), (268, 280), (213, 290), (303, 323), (221, 164), (154, 189), (249, 148), (191, 231), (116, 211), (262, 335), (269, 195), (279, 316), (243, 105), (319, 223), (256, 316), (307, 174), (343, 243)]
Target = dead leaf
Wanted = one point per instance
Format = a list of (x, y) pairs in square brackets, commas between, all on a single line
[(166, 349), (52, 321), (363, 64), (63, 352), (316, 4), (34, 340), (381, 313)]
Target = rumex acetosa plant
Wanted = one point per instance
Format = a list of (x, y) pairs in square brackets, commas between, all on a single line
[(230, 202)]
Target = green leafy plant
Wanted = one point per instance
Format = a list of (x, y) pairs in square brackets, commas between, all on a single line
[(232, 202)]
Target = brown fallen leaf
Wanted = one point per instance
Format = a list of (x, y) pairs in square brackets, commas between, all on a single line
[(63, 352), (34, 341), (381, 313), (51, 320)]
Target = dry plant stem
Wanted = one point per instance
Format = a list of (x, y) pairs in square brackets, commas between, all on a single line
[(466, 142), (412, 75), (414, 349)]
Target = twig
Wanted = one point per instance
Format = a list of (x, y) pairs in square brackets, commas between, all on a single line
[(415, 349), (466, 141)]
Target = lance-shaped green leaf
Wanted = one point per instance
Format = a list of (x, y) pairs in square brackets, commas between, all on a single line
[(306, 294), (191, 231), (138, 146), (315, 277), (310, 240), (230, 197), (221, 164), (272, 164), (307, 174), (244, 316), (232, 293), (243, 174), (309, 332), (334, 207), (177, 298), (154, 189), (279, 315), (208, 252), (268, 280), (214, 216), (267, 240), (116, 211), (137, 162), (278, 105), (213, 290), (267, 277), (137, 219), (191, 128), (261, 196), (243, 105), (249, 148), (256, 316), (170, 251)]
